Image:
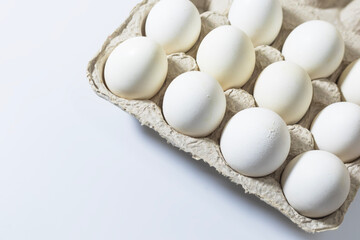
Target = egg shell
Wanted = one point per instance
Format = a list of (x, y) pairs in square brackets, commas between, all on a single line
[(136, 68), (175, 24), (194, 104), (316, 183), (228, 55), (255, 142), (261, 20), (285, 88), (349, 82), (336, 129), (317, 46)]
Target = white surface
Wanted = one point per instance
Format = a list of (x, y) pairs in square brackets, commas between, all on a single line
[(317, 46), (227, 54), (127, 73), (194, 104), (255, 142), (316, 183), (261, 20), (57, 182), (349, 83), (175, 24), (336, 129), (285, 88)]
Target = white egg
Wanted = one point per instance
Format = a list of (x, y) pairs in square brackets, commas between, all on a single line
[(285, 88), (261, 20), (317, 46), (194, 104), (349, 83), (315, 183), (336, 129), (228, 55), (175, 24), (136, 69), (255, 142)]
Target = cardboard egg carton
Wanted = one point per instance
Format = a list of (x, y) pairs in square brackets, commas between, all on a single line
[(342, 13)]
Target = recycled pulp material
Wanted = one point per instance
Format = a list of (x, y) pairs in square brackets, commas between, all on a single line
[(344, 14)]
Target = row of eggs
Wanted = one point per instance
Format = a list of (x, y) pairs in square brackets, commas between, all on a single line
[(256, 141)]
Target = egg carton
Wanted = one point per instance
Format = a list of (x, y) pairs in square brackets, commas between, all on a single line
[(342, 13)]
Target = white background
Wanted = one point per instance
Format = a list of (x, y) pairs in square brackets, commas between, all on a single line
[(73, 166)]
